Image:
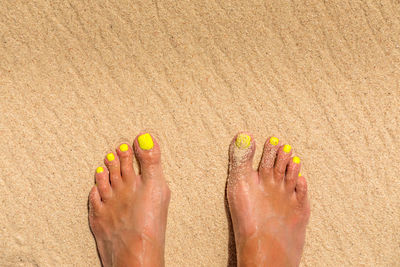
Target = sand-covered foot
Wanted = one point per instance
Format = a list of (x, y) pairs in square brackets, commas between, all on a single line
[(128, 211), (269, 207)]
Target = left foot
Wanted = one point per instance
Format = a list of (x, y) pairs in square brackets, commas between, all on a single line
[(128, 212)]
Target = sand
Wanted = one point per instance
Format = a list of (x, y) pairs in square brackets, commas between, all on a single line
[(79, 77)]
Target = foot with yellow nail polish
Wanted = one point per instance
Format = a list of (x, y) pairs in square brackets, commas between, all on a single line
[(128, 211), (269, 207)]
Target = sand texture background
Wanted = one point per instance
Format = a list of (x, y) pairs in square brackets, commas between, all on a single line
[(79, 77)]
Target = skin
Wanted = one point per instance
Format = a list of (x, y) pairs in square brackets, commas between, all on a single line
[(128, 211), (269, 206)]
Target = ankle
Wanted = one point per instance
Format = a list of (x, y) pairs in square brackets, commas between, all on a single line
[(257, 251)]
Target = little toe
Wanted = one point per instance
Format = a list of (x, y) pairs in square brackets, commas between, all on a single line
[(292, 173), (113, 165), (271, 147), (241, 153), (301, 189), (103, 184), (148, 153), (283, 157), (95, 203), (125, 154)]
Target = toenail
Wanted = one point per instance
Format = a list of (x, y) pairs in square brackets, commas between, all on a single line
[(243, 141), (123, 147), (110, 157), (296, 160), (287, 148), (274, 141), (145, 141), (99, 170), (299, 174)]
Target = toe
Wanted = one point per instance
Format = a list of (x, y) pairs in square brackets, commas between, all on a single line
[(103, 183), (271, 147), (113, 165), (292, 173), (241, 153), (283, 157), (125, 154), (148, 154), (95, 203), (301, 189)]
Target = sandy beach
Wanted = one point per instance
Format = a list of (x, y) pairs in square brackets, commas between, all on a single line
[(79, 77)]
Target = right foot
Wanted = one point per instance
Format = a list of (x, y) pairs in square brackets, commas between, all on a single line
[(128, 212), (269, 207)]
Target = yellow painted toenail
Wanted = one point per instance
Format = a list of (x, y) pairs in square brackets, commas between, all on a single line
[(99, 170), (110, 157), (296, 160), (299, 173), (145, 141), (287, 148), (273, 141), (243, 141), (123, 147)]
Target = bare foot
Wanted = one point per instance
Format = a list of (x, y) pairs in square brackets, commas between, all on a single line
[(127, 211), (269, 207)]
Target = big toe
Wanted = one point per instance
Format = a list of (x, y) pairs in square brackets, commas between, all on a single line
[(95, 203), (148, 153), (301, 190), (241, 153)]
